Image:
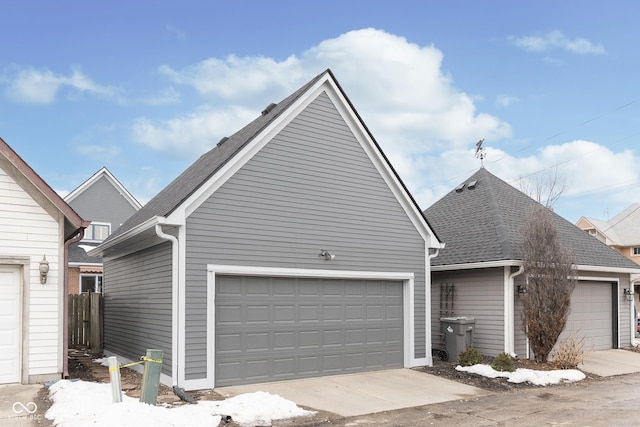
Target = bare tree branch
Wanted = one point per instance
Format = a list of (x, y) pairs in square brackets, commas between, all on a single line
[(545, 189), (549, 269)]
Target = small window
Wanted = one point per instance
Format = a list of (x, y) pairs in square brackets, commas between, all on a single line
[(97, 231), (636, 251), (90, 283)]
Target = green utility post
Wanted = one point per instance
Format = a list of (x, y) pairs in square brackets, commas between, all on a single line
[(151, 377)]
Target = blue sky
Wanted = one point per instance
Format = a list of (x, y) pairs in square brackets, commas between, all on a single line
[(145, 87)]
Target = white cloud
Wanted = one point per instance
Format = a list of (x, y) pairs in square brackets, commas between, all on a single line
[(193, 134), (235, 78), (424, 123), (32, 86), (589, 170), (410, 105), (165, 97), (506, 100), (556, 39)]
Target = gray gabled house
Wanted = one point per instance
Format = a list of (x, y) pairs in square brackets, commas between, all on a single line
[(292, 249), (479, 273), (107, 204)]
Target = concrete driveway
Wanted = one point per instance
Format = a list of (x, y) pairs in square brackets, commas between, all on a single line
[(607, 363), (364, 393)]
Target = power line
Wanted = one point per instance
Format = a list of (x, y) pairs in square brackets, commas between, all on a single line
[(620, 107)]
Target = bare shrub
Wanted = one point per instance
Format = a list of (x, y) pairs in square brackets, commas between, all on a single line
[(550, 273), (570, 352)]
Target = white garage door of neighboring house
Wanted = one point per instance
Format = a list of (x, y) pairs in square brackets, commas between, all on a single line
[(272, 328), (9, 324), (592, 315)]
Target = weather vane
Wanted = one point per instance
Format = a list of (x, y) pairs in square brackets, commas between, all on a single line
[(480, 154)]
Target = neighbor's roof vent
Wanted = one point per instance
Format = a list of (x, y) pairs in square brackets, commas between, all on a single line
[(268, 109), (460, 187), (222, 140), (472, 184)]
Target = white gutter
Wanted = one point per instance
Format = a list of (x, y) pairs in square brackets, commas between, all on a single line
[(509, 311), (127, 235), (175, 322), (607, 269), (472, 265)]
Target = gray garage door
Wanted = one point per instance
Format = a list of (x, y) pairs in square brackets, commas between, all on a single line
[(592, 314), (272, 328)]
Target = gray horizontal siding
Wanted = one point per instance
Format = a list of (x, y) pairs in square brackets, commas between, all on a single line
[(137, 304), (102, 202), (520, 338), (312, 187), (478, 294)]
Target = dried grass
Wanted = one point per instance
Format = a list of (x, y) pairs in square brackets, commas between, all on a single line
[(570, 352)]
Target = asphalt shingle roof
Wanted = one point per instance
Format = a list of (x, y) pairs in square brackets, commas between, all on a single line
[(206, 166), (483, 224)]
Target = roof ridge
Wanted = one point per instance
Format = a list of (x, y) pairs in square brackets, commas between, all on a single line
[(497, 215)]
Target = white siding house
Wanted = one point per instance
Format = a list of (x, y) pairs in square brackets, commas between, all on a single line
[(34, 225)]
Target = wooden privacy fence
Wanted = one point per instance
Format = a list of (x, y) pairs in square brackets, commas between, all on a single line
[(85, 321)]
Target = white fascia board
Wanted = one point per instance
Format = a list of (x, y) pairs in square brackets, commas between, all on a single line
[(243, 270), (150, 223), (608, 269), (112, 179), (125, 193), (473, 265), (88, 264), (234, 164), (375, 155)]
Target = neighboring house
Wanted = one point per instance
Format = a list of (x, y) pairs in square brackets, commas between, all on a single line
[(292, 249), (479, 273), (36, 228), (104, 201), (622, 232)]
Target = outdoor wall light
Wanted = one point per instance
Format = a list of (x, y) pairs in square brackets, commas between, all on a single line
[(327, 255), (44, 269), (628, 293), (522, 289)]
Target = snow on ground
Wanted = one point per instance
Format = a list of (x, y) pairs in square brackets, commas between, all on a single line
[(522, 375), (82, 403)]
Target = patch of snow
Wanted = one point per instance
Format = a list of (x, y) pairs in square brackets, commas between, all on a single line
[(526, 375), (82, 403), (104, 361)]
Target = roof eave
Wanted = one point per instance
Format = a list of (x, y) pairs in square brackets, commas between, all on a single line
[(138, 229), (603, 269), (476, 265)]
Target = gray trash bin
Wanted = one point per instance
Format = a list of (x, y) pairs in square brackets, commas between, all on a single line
[(458, 334)]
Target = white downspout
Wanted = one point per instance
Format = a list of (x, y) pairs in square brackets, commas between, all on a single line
[(427, 297), (175, 307), (509, 311)]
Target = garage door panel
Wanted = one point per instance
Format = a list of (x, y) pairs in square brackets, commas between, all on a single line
[(591, 315), (10, 324), (306, 327)]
